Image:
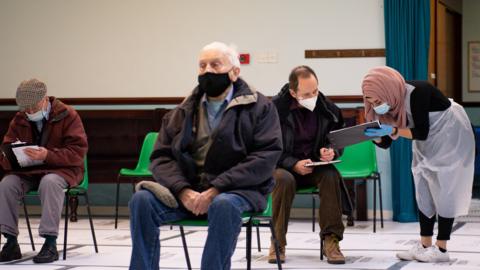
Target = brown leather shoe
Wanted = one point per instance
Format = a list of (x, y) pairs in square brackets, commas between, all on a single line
[(271, 254), (331, 250)]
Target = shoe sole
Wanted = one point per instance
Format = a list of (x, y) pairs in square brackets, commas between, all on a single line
[(41, 261), (335, 262), (275, 261), (405, 259), (12, 260)]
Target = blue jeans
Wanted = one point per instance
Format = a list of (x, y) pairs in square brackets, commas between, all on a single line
[(224, 224)]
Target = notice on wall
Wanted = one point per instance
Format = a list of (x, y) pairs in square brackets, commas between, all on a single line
[(474, 66)]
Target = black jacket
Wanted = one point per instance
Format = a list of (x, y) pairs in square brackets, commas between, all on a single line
[(245, 149), (329, 118)]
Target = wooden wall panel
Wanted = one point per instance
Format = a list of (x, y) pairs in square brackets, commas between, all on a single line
[(115, 138), (345, 53)]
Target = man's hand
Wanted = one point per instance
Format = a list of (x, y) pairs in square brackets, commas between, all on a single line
[(188, 197), (204, 200), (36, 154), (300, 167), (327, 154)]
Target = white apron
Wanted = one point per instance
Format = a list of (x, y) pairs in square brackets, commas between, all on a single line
[(443, 164)]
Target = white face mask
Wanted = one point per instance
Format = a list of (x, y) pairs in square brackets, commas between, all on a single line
[(309, 103), (382, 109), (35, 117)]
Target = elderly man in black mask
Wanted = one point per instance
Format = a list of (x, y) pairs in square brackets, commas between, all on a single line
[(215, 153)]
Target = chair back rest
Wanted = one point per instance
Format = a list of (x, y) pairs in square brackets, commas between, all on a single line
[(359, 156), (146, 151), (84, 184)]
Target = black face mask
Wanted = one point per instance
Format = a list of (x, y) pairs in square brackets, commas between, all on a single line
[(214, 84)]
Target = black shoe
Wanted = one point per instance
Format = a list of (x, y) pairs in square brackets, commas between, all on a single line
[(47, 254), (10, 252)]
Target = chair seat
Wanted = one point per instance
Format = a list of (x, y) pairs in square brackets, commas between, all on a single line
[(204, 222), (309, 190), (355, 173), (135, 173)]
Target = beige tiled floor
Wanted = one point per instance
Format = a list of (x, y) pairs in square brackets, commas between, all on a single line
[(364, 250)]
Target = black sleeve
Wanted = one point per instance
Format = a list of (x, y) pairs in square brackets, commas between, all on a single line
[(339, 125), (420, 104), (385, 143), (165, 168)]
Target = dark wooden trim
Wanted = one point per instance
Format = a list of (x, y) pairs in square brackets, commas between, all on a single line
[(345, 53), (110, 101), (470, 104), (346, 99), (155, 100)]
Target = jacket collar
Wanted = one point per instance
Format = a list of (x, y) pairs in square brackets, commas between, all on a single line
[(243, 94)]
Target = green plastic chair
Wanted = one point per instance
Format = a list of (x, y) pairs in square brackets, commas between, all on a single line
[(313, 191), (80, 190), (249, 219), (359, 161), (140, 172)]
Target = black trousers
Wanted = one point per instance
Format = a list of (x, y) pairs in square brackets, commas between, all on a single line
[(444, 226)]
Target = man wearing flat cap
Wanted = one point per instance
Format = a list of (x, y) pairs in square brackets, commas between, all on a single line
[(58, 132)]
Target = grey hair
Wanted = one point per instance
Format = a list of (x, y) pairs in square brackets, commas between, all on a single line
[(230, 51)]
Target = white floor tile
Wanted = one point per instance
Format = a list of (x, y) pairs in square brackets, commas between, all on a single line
[(364, 249)]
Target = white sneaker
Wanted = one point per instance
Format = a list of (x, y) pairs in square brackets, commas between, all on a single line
[(433, 255), (409, 255)]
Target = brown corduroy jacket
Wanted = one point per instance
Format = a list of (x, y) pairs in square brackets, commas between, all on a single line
[(63, 136)]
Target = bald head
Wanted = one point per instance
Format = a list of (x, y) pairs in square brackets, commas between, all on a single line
[(217, 58)]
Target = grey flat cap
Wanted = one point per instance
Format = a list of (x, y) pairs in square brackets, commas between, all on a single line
[(29, 93)]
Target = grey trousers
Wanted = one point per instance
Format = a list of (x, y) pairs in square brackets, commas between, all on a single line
[(13, 189)]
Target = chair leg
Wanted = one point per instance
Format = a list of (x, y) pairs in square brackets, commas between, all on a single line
[(92, 229), (249, 244), (374, 205), (380, 198), (28, 224), (66, 226), (275, 244), (321, 248), (313, 212), (117, 197), (259, 244), (350, 221), (185, 248)]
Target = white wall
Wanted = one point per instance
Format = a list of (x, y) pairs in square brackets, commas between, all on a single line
[(471, 32), (148, 48)]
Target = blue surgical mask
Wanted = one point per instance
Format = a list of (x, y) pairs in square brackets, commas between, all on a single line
[(382, 109), (37, 116)]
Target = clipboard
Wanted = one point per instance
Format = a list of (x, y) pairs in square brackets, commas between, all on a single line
[(19, 161), (320, 163), (341, 138)]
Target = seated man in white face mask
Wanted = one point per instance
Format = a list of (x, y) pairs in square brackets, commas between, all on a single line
[(306, 117)]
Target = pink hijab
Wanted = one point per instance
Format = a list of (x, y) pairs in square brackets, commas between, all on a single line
[(387, 85)]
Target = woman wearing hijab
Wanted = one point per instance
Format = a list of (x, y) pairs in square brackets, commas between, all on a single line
[(443, 151)]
